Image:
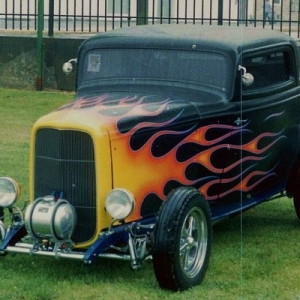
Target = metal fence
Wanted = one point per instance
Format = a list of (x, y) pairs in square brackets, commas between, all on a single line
[(91, 16)]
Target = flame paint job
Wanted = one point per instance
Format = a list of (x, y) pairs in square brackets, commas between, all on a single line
[(159, 144)]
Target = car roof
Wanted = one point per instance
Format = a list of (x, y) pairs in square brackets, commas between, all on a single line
[(174, 36)]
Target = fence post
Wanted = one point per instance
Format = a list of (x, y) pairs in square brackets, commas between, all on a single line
[(51, 18), (220, 12), (39, 51), (142, 12)]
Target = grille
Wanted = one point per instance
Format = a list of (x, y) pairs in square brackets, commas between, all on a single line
[(64, 162)]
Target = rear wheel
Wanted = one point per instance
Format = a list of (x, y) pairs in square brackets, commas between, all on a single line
[(296, 198), (182, 240)]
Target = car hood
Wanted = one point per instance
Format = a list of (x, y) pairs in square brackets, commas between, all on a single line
[(123, 113)]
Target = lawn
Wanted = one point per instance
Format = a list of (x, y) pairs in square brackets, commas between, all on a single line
[(255, 255)]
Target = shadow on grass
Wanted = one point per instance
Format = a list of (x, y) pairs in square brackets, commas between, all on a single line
[(278, 215), (102, 271)]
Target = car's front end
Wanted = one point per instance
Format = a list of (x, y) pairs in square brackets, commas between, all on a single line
[(71, 182)]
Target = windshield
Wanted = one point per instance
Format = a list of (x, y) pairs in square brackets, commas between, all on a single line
[(191, 67)]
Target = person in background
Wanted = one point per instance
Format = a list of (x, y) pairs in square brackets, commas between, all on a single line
[(268, 12)]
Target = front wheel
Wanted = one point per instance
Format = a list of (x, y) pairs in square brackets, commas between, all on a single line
[(182, 240)]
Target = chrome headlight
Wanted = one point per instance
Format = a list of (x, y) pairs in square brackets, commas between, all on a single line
[(9, 191), (119, 204)]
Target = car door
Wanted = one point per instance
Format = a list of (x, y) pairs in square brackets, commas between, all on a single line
[(266, 117)]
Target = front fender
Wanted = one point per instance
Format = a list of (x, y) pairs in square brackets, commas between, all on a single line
[(106, 239), (14, 235), (118, 235)]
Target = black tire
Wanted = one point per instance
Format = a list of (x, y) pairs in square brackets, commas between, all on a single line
[(182, 240), (292, 188), (296, 198)]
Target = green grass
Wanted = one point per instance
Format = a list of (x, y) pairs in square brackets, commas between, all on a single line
[(254, 256)]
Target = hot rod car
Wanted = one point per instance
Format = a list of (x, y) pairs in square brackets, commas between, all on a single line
[(173, 128)]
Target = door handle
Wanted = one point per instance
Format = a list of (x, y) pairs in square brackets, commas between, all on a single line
[(239, 121)]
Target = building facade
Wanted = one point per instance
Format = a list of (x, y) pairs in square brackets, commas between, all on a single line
[(102, 15)]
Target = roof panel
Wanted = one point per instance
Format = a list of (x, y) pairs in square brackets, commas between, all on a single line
[(221, 38)]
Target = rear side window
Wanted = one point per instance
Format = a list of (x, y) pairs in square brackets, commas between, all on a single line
[(270, 70)]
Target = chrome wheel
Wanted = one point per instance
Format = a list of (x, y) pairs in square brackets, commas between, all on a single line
[(193, 242)]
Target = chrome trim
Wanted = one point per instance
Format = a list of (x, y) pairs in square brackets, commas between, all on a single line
[(26, 248)]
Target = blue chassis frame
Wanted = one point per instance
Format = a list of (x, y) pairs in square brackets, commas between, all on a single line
[(118, 234)]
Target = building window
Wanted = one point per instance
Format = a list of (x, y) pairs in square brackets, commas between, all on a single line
[(118, 7)]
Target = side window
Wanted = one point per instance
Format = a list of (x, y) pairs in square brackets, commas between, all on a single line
[(269, 70)]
